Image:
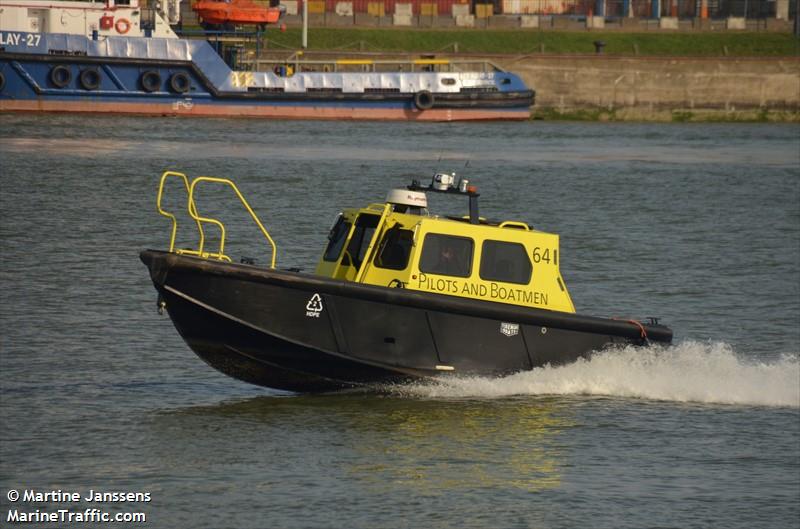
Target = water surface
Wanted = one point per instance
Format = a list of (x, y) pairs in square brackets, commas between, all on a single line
[(696, 224)]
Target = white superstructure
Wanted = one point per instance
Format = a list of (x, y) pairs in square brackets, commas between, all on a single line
[(111, 18)]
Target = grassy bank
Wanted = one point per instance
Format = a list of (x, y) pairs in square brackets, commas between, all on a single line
[(534, 41)]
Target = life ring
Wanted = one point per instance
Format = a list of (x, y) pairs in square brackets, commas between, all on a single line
[(122, 25), (423, 100), (60, 76), (179, 82), (90, 79), (150, 80)]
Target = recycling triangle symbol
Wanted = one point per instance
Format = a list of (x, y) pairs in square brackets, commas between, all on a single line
[(314, 304)]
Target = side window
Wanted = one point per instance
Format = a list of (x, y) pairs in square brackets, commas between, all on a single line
[(446, 255), (505, 261), (394, 249), (336, 239), (359, 241)]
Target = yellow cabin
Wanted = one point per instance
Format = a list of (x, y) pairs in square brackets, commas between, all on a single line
[(401, 244)]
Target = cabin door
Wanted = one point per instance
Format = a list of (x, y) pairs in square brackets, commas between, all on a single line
[(360, 240)]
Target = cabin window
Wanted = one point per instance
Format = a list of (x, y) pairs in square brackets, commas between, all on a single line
[(446, 255), (336, 239), (394, 250), (505, 261), (359, 241)]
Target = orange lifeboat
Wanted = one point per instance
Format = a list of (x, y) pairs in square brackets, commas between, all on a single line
[(235, 12)]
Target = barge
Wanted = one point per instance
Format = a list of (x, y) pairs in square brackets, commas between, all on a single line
[(123, 58)]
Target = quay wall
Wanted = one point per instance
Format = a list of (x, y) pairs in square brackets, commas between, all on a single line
[(648, 87)]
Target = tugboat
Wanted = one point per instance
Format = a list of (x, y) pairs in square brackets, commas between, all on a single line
[(398, 294)]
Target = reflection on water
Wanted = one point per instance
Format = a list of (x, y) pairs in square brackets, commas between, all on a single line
[(428, 446), (467, 445)]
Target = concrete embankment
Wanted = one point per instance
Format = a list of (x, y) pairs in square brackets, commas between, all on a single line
[(661, 89)]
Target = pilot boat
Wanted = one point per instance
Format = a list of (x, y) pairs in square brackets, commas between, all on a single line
[(398, 294)]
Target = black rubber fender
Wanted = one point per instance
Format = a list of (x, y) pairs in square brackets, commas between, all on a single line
[(60, 76), (150, 81), (424, 100), (2, 81), (180, 83), (90, 79)]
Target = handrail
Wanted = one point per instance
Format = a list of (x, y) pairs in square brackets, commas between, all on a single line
[(374, 65), (198, 218), (515, 224), (431, 61), (190, 206)]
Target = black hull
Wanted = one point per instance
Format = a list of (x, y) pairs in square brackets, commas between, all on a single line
[(263, 327)]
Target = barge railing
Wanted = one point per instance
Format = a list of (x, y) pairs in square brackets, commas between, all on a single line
[(375, 65)]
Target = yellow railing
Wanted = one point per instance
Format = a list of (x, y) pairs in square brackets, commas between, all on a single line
[(199, 220), (515, 224), (190, 206)]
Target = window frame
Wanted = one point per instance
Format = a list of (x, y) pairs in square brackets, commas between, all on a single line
[(448, 236), (524, 251), (384, 243), (357, 261), (349, 226)]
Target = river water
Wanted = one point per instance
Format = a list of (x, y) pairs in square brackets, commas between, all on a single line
[(696, 224)]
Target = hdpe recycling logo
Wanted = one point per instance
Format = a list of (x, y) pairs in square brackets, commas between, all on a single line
[(314, 306)]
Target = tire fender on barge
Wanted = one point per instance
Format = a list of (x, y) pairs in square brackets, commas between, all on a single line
[(424, 100)]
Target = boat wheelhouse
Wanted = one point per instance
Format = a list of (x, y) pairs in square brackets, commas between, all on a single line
[(400, 244)]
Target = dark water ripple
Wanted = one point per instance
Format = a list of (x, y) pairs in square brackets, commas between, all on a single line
[(697, 224)]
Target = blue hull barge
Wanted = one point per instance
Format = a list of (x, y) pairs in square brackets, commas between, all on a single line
[(106, 57)]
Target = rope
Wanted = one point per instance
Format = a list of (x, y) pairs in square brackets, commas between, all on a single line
[(642, 331)]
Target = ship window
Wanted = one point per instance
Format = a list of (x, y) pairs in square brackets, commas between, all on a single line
[(446, 255), (359, 241), (336, 239), (395, 249), (505, 261)]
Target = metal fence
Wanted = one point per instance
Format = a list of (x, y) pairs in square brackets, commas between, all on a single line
[(754, 9), (642, 8)]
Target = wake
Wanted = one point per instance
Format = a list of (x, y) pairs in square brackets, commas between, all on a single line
[(686, 372)]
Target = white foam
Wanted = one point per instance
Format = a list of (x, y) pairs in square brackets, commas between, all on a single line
[(686, 372)]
